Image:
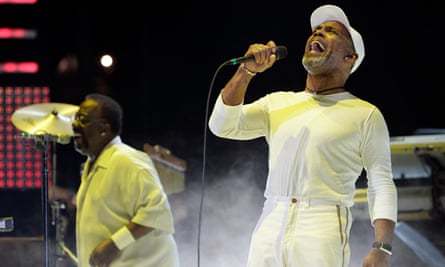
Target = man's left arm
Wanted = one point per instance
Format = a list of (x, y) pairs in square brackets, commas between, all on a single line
[(381, 249)]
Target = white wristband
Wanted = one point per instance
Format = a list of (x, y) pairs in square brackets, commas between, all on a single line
[(122, 238)]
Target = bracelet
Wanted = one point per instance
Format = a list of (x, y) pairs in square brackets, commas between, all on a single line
[(251, 73), (122, 238), (383, 247)]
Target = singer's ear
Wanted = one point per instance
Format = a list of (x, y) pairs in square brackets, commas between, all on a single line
[(104, 128), (350, 56)]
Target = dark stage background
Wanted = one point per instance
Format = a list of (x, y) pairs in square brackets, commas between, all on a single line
[(167, 77)]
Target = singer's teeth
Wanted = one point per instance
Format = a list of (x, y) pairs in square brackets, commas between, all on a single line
[(317, 46)]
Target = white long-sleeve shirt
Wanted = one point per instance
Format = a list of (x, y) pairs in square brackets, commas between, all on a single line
[(318, 146)]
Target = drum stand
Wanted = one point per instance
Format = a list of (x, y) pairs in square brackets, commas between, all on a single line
[(59, 221), (44, 146)]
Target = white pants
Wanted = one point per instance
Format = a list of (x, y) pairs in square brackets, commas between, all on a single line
[(301, 234)]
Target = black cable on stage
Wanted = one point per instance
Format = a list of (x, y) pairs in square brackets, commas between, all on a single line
[(204, 148)]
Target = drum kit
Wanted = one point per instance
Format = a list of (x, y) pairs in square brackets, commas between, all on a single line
[(46, 123)]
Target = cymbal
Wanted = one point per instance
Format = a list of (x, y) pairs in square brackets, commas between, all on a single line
[(45, 119)]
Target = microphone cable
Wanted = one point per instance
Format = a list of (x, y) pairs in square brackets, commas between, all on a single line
[(204, 151)]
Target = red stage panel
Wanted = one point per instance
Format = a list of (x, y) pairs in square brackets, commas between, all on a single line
[(21, 164)]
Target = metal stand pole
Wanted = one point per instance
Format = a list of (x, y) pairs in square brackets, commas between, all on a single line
[(59, 221), (45, 197)]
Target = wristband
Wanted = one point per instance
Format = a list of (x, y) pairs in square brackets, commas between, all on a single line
[(122, 238), (383, 247), (251, 73)]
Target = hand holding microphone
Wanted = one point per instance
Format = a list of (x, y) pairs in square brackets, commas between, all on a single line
[(258, 58), (260, 54)]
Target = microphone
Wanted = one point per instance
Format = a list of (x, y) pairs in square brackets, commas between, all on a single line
[(280, 53)]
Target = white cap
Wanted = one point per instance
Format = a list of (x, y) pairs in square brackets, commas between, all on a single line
[(330, 12)]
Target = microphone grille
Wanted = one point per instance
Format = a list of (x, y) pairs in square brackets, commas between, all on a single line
[(281, 52)]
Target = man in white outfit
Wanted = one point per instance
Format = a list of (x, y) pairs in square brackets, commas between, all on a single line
[(123, 216), (320, 139)]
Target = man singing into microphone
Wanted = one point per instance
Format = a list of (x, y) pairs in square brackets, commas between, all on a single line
[(320, 139)]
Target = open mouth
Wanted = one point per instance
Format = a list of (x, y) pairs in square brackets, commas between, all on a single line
[(317, 46)]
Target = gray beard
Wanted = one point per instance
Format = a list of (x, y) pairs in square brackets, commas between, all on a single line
[(313, 64)]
